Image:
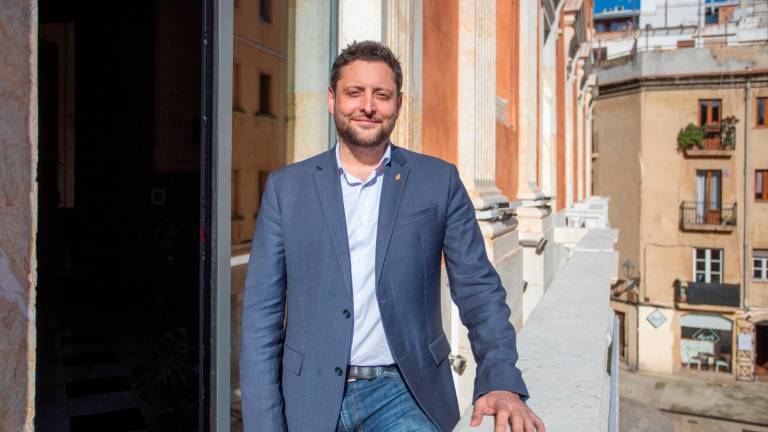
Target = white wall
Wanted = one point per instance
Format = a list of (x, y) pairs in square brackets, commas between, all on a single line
[(654, 344), (678, 12), (359, 20)]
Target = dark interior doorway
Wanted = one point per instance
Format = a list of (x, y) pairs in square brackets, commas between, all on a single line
[(119, 234), (761, 349)]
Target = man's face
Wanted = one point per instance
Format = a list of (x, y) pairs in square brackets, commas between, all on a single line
[(365, 103)]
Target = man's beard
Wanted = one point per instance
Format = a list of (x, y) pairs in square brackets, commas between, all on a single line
[(351, 137)]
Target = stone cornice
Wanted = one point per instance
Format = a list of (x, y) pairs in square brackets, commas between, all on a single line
[(735, 79)]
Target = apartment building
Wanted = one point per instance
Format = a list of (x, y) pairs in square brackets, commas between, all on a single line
[(681, 152), (652, 25)]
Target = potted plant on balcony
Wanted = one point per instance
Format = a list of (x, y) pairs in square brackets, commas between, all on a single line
[(689, 137), (728, 132)]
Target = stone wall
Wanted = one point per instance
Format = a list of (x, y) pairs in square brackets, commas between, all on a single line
[(18, 202)]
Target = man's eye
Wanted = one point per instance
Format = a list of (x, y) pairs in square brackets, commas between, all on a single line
[(383, 96), (354, 93)]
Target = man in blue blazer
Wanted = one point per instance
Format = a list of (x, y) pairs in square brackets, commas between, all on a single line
[(342, 327)]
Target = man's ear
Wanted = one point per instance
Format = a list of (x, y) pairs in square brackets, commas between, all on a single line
[(399, 102), (331, 100)]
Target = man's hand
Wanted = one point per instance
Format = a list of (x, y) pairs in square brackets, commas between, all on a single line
[(509, 410)]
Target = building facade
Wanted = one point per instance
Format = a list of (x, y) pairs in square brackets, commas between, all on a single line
[(681, 137)]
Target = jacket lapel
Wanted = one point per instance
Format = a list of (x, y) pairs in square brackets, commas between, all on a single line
[(329, 191), (395, 176)]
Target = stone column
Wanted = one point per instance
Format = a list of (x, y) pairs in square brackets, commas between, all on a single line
[(477, 101), (588, 143), (476, 162), (18, 213), (578, 131), (309, 31), (529, 107), (402, 32)]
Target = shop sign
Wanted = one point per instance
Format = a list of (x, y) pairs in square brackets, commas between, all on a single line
[(706, 335), (656, 318)]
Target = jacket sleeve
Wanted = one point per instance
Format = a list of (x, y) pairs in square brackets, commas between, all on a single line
[(261, 343), (477, 291)]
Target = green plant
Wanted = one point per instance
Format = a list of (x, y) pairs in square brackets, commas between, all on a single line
[(689, 137), (728, 132)]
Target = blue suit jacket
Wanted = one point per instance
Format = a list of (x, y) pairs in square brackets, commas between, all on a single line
[(294, 332)]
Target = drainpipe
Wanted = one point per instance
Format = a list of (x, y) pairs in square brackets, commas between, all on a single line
[(746, 253)]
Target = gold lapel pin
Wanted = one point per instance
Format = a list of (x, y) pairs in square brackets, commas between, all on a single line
[(397, 177)]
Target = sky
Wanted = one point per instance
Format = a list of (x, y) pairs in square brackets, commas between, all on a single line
[(609, 4)]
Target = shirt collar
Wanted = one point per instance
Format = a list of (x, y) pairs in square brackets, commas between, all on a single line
[(379, 167)]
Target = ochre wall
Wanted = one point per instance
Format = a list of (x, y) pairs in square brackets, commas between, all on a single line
[(258, 139), (18, 212), (669, 178), (616, 172), (440, 112)]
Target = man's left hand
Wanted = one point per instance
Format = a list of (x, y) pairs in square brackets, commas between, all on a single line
[(509, 410)]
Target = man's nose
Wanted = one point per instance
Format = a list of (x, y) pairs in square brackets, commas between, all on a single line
[(369, 105)]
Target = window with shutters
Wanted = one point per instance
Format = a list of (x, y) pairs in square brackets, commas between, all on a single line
[(708, 265)]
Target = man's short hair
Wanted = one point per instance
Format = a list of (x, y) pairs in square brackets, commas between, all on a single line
[(370, 51)]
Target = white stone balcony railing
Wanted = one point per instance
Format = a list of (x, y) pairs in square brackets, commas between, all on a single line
[(590, 213), (566, 354)]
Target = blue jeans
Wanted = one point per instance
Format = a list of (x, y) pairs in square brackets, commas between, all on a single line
[(382, 404)]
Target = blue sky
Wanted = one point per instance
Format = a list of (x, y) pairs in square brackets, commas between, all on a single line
[(608, 4)]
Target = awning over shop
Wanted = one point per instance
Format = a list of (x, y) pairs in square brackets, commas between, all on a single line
[(714, 322)]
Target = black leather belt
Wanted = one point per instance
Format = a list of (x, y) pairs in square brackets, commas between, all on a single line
[(355, 373)]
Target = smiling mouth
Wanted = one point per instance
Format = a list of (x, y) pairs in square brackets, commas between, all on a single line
[(364, 120)]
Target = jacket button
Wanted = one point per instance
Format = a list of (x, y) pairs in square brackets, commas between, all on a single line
[(346, 313), (338, 371)]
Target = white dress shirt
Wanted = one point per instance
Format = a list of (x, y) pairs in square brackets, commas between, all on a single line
[(361, 210)]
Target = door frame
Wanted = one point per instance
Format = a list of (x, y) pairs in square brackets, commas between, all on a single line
[(215, 211)]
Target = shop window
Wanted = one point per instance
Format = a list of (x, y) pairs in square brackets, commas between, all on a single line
[(706, 342), (708, 265), (760, 264), (761, 185), (760, 114)]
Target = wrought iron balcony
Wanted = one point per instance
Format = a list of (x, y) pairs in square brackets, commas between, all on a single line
[(711, 294), (703, 216)]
